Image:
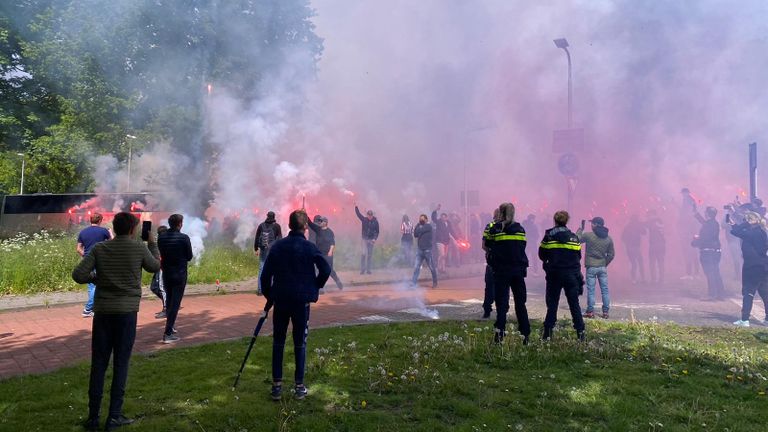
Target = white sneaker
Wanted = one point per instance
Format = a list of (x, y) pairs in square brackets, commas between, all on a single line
[(741, 323)]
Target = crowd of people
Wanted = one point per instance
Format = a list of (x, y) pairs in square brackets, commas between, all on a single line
[(294, 270)]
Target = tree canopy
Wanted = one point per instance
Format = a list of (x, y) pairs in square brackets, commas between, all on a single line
[(81, 78)]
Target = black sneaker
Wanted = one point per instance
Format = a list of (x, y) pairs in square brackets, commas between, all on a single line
[(92, 424), (301, 391), (582, 335), (276, 392), (167, 339), (367, 272), (525, 340), (498, 336), (116, 422), (486, 314), (547, 334)]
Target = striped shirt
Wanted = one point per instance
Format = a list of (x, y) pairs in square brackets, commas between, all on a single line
[(118, 263)]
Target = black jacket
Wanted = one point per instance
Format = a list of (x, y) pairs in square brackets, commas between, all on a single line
[(506, 249), (175, 253), (442, 229), (324, 238), (754, 245), (709, 235), (560, 250), (289, 276), (267, 234), (423, 232), (370, 227)]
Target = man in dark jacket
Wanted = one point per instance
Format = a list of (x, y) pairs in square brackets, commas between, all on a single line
[(754, 271), (506, 255), (708, 243), (423, 234), (289, 281), (560, 253), (532, 231), (600, 252), (632, 237), (115, 266), (267, 234), (657, 247), (176, 253), (489, 293), (370, 232), (442, 238), (325, 240)]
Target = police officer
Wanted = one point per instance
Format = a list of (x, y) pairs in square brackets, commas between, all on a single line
[(509, 263), (489, 292), (560, 253)]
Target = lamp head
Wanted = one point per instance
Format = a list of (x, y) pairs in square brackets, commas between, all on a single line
[(561, 43)]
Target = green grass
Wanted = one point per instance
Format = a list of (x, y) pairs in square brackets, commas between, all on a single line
[(435, 376), (43, 262)]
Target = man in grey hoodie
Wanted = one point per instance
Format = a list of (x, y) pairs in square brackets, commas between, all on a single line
[(599, 255)]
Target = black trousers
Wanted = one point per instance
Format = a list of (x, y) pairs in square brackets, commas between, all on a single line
[(710, 264), (568, 282), (656, 265), (298, 315), (174, 292), (334, 276), (753, 280), (490, 293), (112, 333), (502, 283)]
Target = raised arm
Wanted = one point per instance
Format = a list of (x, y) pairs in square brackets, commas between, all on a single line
[(359, 215)]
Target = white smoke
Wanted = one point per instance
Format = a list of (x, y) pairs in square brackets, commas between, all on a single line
[(196, 229)]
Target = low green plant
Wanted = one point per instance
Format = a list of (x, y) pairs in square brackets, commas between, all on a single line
[(435, 376), (43, 262)]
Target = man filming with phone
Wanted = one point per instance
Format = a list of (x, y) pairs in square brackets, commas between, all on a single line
[(115, 266)]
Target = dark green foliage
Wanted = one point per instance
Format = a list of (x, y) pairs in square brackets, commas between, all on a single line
[(86, 73)]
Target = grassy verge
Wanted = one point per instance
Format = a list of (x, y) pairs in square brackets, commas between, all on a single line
[(43, 262), (435, 376)]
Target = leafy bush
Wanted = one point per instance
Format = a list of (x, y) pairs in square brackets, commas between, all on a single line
[(43, 262)]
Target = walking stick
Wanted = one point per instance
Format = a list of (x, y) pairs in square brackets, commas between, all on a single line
[(253, 340)]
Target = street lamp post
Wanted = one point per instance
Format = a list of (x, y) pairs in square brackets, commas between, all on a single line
[(23, 162), (130, 156), (563, 44)]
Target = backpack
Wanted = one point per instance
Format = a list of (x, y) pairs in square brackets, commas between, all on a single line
[(267, 236)]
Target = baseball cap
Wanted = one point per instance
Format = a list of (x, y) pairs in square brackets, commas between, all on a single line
[(597, 220)]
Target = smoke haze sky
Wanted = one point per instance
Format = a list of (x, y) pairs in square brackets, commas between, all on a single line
[(410, 94)]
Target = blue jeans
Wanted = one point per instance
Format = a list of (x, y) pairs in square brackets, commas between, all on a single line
[(421, 256), (597, 274), (91, 294), (261, 267)]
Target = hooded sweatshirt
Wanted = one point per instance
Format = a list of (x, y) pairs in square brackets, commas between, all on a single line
[(599, 244)]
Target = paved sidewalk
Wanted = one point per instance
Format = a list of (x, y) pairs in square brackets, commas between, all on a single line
[(349, 278), (44, 339)]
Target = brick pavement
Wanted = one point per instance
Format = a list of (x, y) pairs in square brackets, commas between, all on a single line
[(45, 339)]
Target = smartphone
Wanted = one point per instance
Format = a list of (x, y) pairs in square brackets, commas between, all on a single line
[(146, 229)]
